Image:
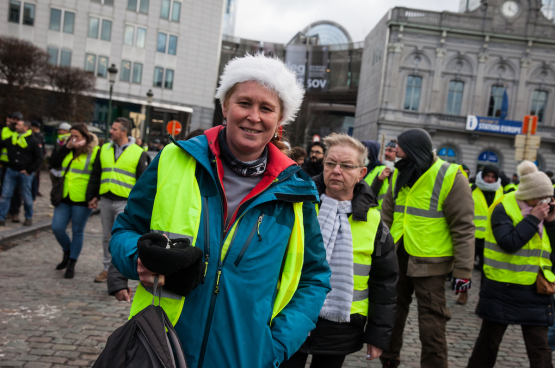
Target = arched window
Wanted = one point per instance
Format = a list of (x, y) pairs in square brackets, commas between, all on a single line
[(496, 101), (448, 154), (412, 96), (454, 97), (539, 102), (488, 158)]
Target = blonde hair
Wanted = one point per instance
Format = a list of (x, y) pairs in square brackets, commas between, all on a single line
[(344, 140)]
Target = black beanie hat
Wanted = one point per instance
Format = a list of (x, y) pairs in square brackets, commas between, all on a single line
[(490, 168)]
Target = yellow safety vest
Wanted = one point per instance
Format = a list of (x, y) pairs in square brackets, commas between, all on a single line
[(364, 235), (419, 216), (370, 179), (6, 133), (179, 217), (119, 177), (481, 210), (78, 175), (508, 187), (521, 267)]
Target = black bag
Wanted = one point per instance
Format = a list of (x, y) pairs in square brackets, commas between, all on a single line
[(57, 192), (142, 342)]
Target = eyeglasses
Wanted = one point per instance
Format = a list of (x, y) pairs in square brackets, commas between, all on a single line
[(344, 167), (316, 153)]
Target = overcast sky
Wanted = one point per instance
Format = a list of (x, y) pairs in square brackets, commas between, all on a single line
[(279, 20)]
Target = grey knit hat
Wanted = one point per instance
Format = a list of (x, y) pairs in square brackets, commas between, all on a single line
[(533, 183)]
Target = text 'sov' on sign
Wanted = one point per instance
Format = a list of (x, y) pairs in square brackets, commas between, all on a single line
[(174, 127)]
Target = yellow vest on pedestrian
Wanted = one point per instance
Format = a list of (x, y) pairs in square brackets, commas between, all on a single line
[(521, 267), (510, 186), (481, 210), (377, 171), (119, 176), (78, 176), (6, 133), (419, 217), (179, 217)]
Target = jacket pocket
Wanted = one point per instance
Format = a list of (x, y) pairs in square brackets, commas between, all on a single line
[(255, 230)]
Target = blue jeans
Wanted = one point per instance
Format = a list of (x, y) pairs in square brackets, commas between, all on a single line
[(78, 216), (14, 179)]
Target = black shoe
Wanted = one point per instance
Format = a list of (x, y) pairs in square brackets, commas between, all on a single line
[(28, 222), (2, 223), (70, 270), (15, 219), (64, 262)]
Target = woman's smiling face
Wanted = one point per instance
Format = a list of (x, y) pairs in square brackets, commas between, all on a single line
[(252, 113)]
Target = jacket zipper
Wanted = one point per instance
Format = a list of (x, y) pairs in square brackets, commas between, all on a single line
[(249, 239), (206, 237)]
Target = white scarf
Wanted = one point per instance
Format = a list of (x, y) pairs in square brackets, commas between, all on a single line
[(338, 241), (487, 187)]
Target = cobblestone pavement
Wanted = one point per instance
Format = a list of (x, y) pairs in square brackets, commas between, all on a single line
[(47, 321)]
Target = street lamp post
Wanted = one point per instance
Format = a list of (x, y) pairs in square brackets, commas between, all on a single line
[(149, 97), (112, 71)]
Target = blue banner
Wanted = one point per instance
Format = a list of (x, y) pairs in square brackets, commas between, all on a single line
[(493, 125)]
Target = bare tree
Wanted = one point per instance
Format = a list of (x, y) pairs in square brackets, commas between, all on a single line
[(71, 85)]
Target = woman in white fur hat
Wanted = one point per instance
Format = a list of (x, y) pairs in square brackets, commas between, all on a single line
[(259, 275), (518, 256)]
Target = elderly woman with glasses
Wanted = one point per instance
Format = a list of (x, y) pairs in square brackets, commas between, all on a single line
[(359, 249), (244, 267)]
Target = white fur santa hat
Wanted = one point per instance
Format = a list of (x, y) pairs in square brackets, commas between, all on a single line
[(533, 183), (269, 72)]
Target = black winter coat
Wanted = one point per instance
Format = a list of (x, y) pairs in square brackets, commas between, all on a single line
[(513, 303), (333, 338)]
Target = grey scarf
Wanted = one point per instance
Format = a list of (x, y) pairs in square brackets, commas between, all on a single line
[(338, 241), (487, 187)]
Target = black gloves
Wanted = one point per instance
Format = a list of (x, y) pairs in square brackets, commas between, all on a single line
[(180, 263)]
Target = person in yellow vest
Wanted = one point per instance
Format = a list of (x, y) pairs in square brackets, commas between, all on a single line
[(430, 212), (61, 139), (7, 132), (234, 195), (518, 252), (377, 174), (118, 166), (76, 158), (361, 254)]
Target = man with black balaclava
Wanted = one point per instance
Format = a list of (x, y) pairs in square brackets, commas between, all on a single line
[(314, 165), (430, 212), (377, 173)]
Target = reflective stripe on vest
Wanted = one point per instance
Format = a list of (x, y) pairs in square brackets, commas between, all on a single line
[(481, 210), (364, 235), (521, 267), (78, 175), (119, 177), (179, 217), (418, 213), (370, 180), (6, 133)]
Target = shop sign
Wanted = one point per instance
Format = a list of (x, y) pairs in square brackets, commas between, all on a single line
[(493, 125)]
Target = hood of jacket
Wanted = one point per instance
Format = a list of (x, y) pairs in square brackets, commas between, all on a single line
[(363, 197)]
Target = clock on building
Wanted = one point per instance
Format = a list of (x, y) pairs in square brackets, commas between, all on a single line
[(509, 9)]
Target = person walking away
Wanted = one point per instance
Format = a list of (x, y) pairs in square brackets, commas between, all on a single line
[(377, 174), (361, 307), (486, 190), (118, 166), (63, 136), (518, 253), (35, 127), (7, 132), (76, 158), (24, 158), (249, 211), (430, 210), (313, 166)]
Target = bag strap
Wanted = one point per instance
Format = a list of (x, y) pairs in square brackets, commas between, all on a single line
[(68, 165)]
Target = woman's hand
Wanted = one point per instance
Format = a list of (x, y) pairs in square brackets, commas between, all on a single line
[(372, 352), (540, 211), (73, 143), (147, 277), (385, 173)]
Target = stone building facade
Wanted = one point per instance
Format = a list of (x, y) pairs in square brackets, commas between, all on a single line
[(432, 69)]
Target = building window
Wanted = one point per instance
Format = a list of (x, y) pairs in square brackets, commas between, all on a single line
[(165, 12), (52, 55), (125, 74), (454, 97), (448, 154), (412, 96), (143, 6), (137, 72), (93, 27), (29, 14), (15, 9), (132, 5), (496, 101), (106, 33), (141, 38), (172, 45), (90, 62), (65, 58), (539, 100), (55, 19), (105, 2), (102, 66), (69, 21), (168, 82), (162, 37), (487, 158), (176, 11), (129, 35), (158, 76)]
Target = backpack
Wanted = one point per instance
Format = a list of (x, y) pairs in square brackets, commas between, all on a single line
[(142, 342)]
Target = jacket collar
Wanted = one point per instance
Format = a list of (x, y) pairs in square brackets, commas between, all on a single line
[(363, 197)]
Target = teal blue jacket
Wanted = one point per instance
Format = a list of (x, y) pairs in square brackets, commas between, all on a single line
[(232, 328)]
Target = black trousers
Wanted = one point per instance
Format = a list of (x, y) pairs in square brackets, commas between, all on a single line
[(485, 350), (298, 360)]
